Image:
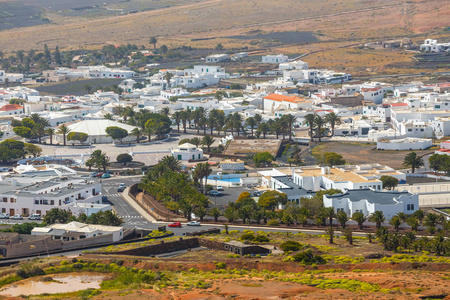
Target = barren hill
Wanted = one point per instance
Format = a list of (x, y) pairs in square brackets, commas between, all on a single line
[(334, 20)]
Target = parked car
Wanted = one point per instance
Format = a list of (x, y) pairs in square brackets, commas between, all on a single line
[(17, 217), (34, 217), (193, 223), (220, 188), (4, 216), (104, 199), (121, 189), (99, 175), (256, 194), (106, 175), (123, 184), (175, 224), (93, 174), (215, 193)]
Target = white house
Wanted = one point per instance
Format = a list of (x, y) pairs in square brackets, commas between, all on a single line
[(96, 130), (275, 59), (187, 151), (217, 58), (40, 197), (64, 231), (11, 110), (433, 46), (368, 201), (406, 143), (273, 102)]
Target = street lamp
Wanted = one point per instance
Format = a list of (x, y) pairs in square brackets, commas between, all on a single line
[(215, 195)]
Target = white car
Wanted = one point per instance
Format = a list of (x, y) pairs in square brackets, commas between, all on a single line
[(220, 188), (193, 223), (4, 216), (17, 217)]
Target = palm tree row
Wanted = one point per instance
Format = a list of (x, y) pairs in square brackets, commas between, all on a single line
[(317, 123)]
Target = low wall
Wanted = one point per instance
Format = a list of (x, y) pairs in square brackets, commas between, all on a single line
[(83, 243), (33, 247), (202, 232), (163, 247)]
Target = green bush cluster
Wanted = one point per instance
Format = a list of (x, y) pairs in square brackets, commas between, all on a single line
[(290, 246), (398, 258), (308, 258)]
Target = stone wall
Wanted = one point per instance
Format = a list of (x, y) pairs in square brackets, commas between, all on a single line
[(202, 232), (88, 242), (32, 247), (163, 247)]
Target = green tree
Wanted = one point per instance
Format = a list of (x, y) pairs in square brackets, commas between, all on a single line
[(153, 41), (251, 122), (333, 119), (413, 160), (377, 217), (124, 158), (359, 218), (137, 132), (216, 213), (63, 130), (22, 131), (389, 182), (57, 56), (33, 149), (437, 161), (329, 192), (57, 215), (263, 158), (270, 199), (116, 133), (263, 128), (163, 49), (333, 159), (319, 123), (310, 121), (108, 116), (50, 132), (81, 137), (413, 222), (11, 150), (219, 47), (342, 218), (207, 141), (396, 222)]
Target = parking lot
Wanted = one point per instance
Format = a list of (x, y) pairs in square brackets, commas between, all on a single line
[(229, 194)]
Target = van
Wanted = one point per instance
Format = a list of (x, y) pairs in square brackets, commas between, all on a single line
[(34, 217), (4, 169)]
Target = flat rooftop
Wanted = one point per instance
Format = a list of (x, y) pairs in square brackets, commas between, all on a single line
[(377, 197), (243, 147)]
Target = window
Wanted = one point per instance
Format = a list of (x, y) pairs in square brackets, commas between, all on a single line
[(36, 201), (410, 207), (52, 202), (5, 199)]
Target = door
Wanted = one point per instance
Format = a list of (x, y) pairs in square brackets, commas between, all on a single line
[(11, 212), (179, 156)]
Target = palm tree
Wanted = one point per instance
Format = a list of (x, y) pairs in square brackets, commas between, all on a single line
[(333, 119), (153, 41), (310, 121), (108, 116), (137, 132), (263, 128), (50, 132), (184, 116), (330, 233), (165, 111), (148, 131), (208, 141), (377, 217), (319, 122), (413, 222), (167, 77), (330, 213), (216, 213), (413, 160), (203, 170), (38, 130), (359, 218), (171, 163), (195, 141), (342, 218), (290, 120), (396, 222), (64, 130), (177, 117), (251, 122)]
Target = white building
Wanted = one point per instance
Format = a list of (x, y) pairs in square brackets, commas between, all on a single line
[(11, 110), (406, 143), (433, 46), (368, 201), (40, 197), (275, 59), (294, 65), (187, 152), (349, 177), (96, 130), (273, 102), (217, 58), (68, 231)]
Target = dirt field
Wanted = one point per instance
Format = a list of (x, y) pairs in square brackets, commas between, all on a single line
[(358, 153)]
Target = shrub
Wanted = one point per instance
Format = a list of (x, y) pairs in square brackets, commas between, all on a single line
[(262, 239), (248, 236), (308, 258), (220, 265), (273, 222), (290, 246)]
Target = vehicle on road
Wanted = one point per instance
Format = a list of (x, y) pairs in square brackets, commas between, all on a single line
[(215, 193), (175, 224), (104, 199), (256, 194), (220, 188), (193, 223), (93, 174), (106, 175), (123, 184), (17, 217), (4, 216), (121, 189), (34, 217)]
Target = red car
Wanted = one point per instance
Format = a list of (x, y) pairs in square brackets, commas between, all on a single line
[(175, 224)]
